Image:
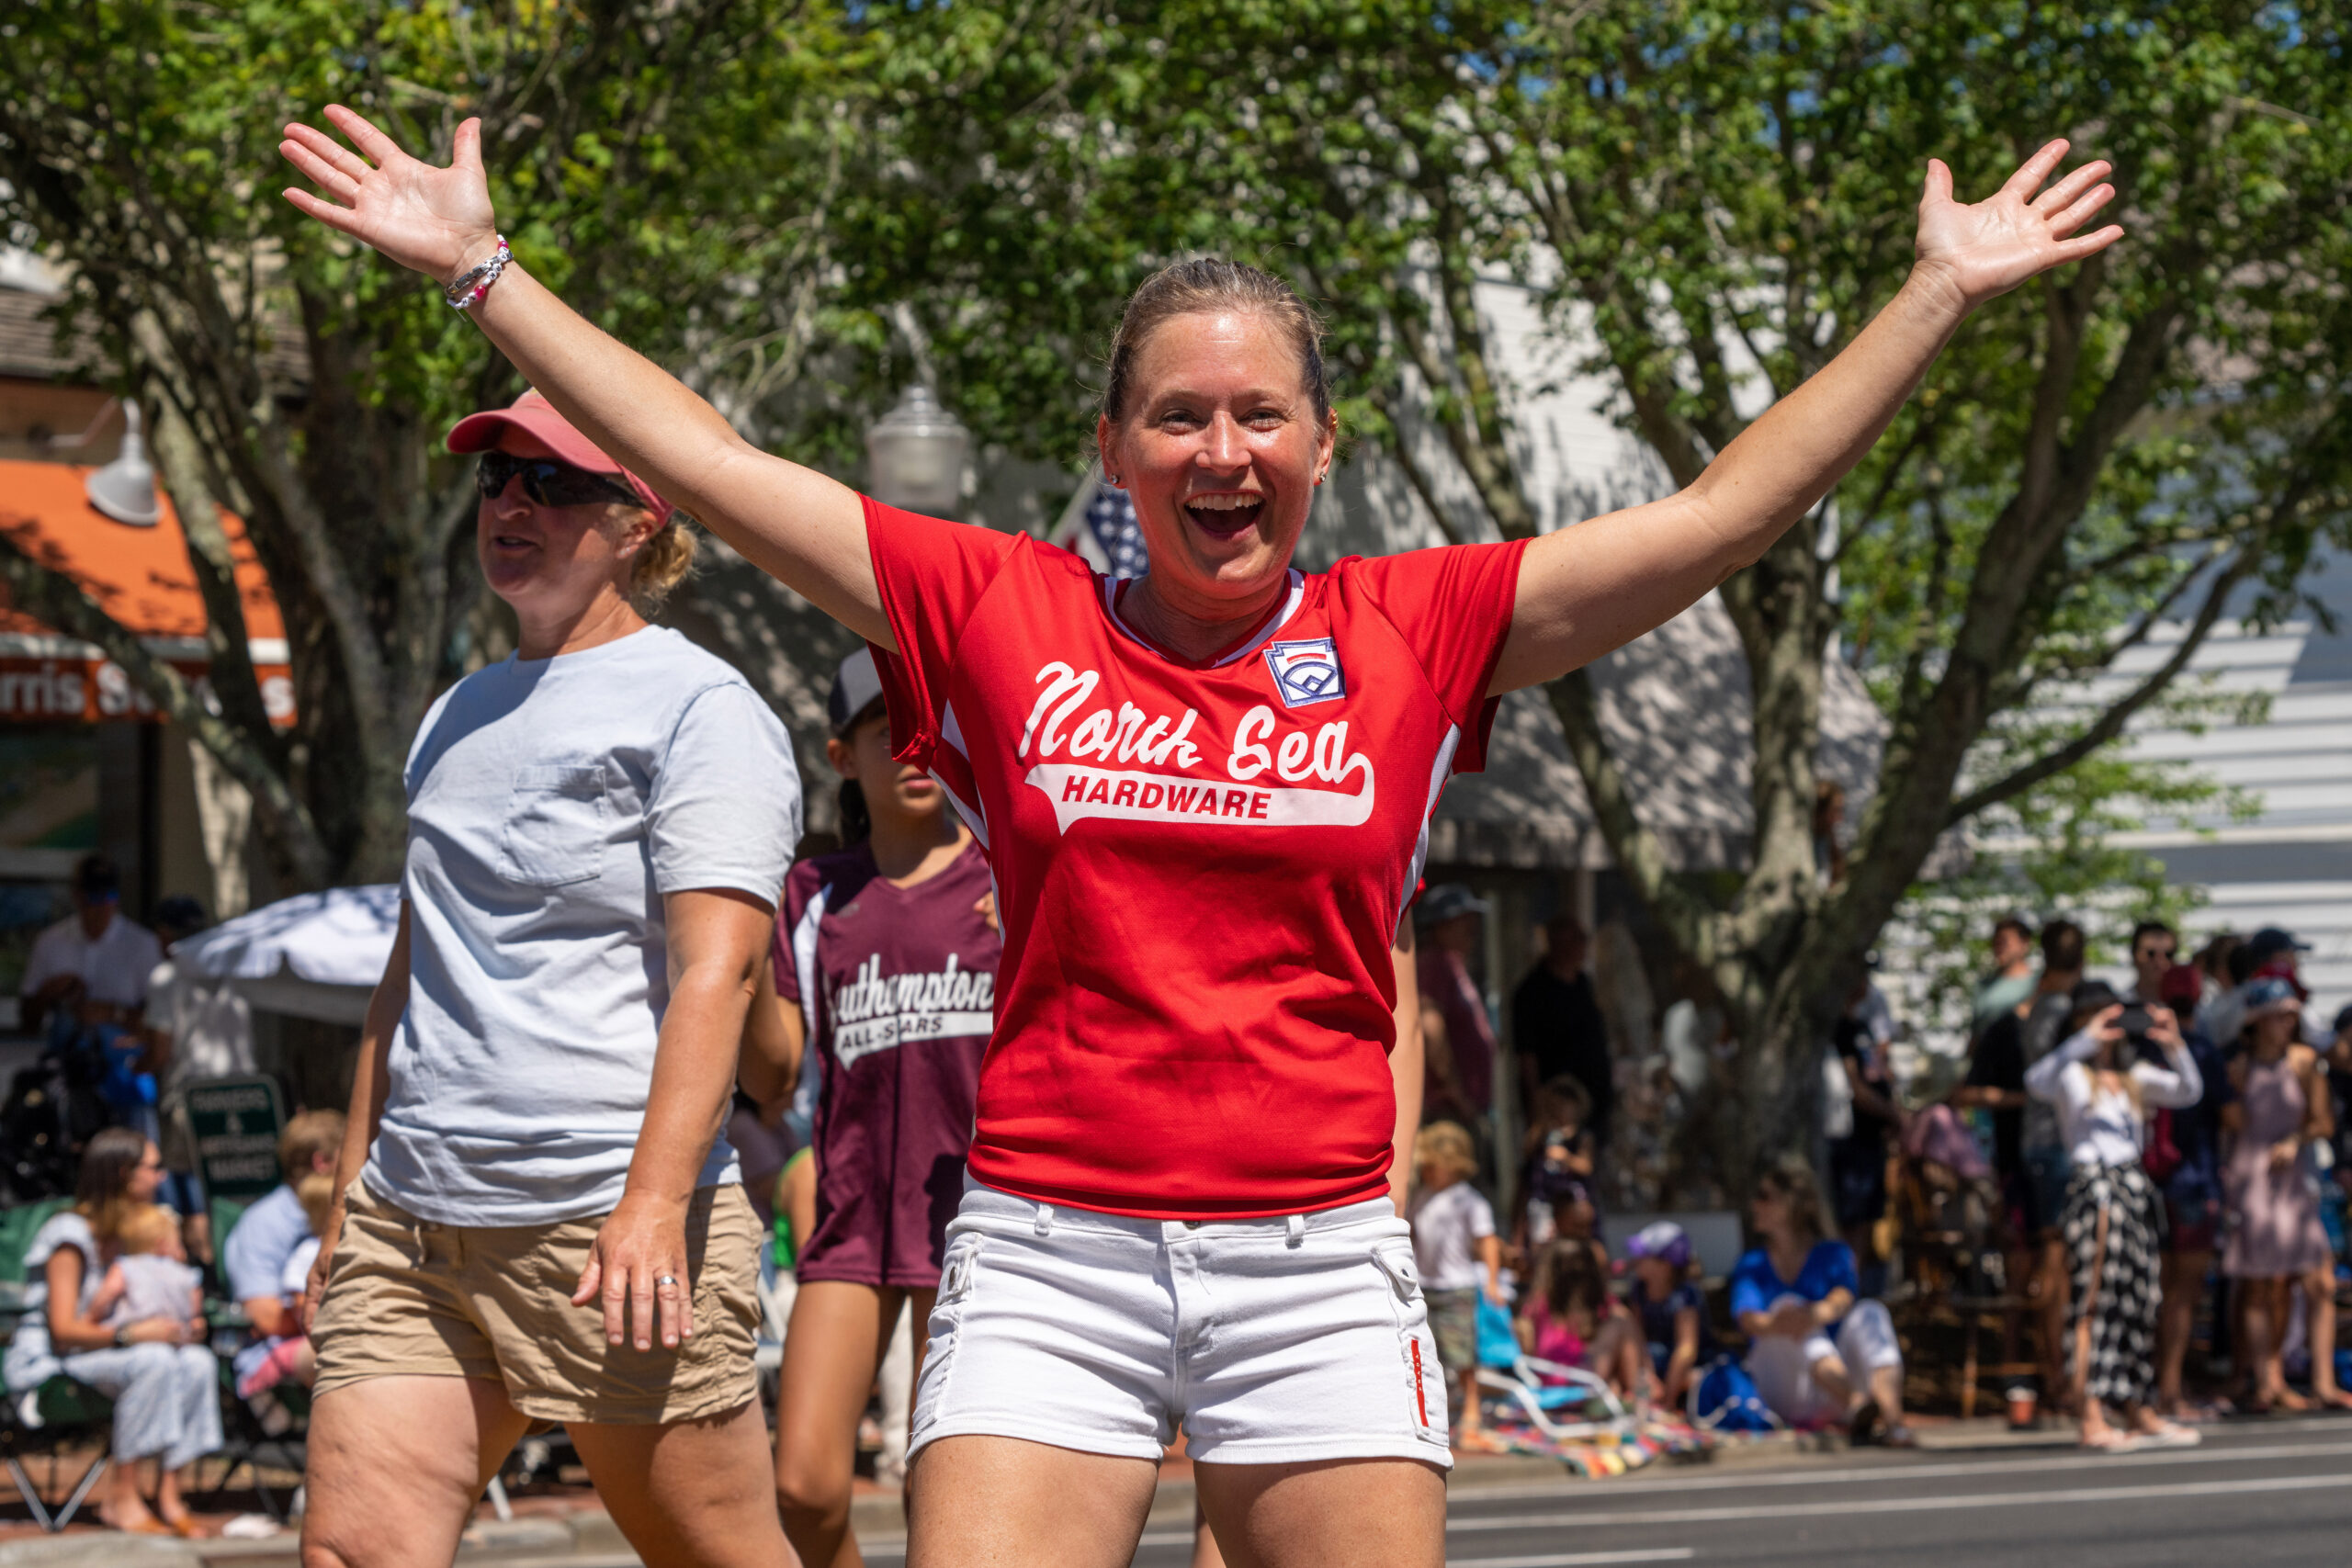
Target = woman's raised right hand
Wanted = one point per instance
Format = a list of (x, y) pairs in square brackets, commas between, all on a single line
[(434, 221)]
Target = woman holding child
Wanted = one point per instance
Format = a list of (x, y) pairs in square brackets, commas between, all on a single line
[(1204, 794), (83, 1318)]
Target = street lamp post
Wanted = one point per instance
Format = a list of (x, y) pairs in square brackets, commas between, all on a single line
[(915, 456)]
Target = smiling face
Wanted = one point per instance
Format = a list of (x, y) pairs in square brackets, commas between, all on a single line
[(551, 563), (1219, 445)]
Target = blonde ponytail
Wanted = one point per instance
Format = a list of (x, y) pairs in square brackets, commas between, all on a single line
[(663, 562)]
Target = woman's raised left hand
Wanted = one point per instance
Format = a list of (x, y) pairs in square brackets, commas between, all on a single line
[(637, 1267), (1982, 250), (436, 220)]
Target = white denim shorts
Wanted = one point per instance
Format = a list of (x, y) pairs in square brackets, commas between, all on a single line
[(1271, 1341)]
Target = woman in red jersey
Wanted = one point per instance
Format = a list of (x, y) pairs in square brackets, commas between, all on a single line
[(1204, 794)]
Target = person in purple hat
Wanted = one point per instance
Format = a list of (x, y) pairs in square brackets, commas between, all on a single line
[(1666, 1300), (538, 1220)]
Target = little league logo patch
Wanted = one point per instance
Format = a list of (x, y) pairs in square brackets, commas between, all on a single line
[(1306, 670)]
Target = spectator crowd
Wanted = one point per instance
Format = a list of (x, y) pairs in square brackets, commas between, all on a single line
[(2150, 1178), (2144, 1185)]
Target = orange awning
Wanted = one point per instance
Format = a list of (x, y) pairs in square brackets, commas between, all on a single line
[(141, 577)]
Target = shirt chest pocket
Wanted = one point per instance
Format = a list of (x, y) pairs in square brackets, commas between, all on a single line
[(556, 819)]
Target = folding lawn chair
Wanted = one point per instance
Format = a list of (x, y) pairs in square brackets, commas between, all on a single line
[(43, 1425), (1562, 1403), (59, 1416), (249, 1443)]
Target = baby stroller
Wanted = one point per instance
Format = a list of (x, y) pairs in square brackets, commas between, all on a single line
[(54, 1107)]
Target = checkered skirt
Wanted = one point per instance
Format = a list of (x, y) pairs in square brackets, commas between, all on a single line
[(2116, 1285)]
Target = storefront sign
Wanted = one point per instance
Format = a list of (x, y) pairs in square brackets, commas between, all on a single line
[(236, 1123), (93, 690)]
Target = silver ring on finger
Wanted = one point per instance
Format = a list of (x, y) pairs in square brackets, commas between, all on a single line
[(669, 1280)]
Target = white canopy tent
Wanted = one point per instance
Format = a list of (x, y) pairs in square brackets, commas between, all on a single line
[(315, 955)]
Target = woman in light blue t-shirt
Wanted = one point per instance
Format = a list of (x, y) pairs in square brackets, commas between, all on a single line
[(539, 1219)]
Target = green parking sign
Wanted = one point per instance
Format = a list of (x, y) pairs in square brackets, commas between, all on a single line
[(236, 1123)]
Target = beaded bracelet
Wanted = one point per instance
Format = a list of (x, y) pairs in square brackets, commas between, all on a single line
[(467, 291)]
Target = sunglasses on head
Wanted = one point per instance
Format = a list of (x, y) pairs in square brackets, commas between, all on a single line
[(550, 482)]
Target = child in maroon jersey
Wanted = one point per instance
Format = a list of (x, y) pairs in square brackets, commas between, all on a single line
[(884, 962)]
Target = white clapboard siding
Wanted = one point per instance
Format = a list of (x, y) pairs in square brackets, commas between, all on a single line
[(2290, 866)]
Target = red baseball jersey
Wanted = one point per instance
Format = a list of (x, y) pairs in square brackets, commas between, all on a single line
[(1200, 867)]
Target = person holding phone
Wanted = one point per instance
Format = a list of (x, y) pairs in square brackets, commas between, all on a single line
[(2103, 1091)]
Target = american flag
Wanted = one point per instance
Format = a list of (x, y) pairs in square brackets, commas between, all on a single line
[(1100, 525)]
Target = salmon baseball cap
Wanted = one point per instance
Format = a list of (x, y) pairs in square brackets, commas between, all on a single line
[(534, 416)]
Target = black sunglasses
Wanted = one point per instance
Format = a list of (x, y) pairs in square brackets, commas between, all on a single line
[(549, 482)]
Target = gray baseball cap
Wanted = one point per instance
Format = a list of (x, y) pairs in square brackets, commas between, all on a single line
[(1446, 900), (857, 685)]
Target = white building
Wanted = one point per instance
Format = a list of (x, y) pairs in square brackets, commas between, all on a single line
[(2290, 866)]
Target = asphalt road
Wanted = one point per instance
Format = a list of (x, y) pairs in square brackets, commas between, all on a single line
[(2277, 1492)]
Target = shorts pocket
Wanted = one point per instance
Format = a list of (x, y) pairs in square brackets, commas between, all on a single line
[(958, 1278), (960, 1269), (1423, 1386), (555, 825)]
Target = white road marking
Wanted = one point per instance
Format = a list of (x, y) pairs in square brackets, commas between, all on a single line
[(898, 1547), (2065, 1458), (1577, 1559), (1848, 1506), (1664, 1490)]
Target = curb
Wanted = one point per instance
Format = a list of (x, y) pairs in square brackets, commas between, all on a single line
[(545, 1537), (96, 1551)]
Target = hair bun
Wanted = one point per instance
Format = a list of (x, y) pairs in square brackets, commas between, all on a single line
[(663, 562)]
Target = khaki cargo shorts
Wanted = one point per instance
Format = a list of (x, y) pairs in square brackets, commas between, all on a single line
[(410, 1298)]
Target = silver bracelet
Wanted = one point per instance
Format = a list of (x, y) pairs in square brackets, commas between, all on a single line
[(465, 291)]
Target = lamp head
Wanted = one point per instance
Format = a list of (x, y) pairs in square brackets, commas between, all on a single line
[(916, 455), (125, 489)]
